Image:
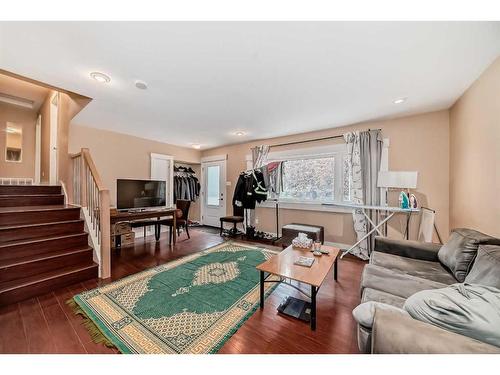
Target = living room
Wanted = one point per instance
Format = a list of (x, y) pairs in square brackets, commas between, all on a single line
[(259, 187)]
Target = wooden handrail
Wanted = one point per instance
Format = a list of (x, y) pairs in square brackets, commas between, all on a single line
[(93, 197), (93, 169)]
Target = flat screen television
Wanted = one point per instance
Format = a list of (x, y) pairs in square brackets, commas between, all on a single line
[(132, 194)]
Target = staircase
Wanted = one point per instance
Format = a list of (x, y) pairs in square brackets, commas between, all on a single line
[(43, 244)]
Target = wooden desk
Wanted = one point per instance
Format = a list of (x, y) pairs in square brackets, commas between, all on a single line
[(283, 266), (126, 216)]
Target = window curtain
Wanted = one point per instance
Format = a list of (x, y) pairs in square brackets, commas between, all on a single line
[(259, 156), (370, 152), (357, 195), (364, 150)]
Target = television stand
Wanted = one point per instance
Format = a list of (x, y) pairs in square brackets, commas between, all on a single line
[(129, 216)]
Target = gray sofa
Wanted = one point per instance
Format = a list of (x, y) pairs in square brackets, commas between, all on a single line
[(398, 269)]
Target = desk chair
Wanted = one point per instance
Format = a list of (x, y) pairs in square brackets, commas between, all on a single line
[(182, 218), (238, 217)]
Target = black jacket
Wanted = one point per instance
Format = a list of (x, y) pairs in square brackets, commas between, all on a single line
[(249, 189)]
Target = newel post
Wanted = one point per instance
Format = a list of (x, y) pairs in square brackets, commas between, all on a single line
[(83, 177), (105, 239)]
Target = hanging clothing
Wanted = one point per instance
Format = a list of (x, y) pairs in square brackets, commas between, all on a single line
[(250, 189), (186, 185), (273, 174)]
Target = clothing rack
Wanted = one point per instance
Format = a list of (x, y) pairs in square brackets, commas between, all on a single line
[(311, 140)]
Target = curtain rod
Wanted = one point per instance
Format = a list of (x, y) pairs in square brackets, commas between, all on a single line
[(311, 140)]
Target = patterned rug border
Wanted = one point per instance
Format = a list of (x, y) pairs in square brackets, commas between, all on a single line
[(101, 334)]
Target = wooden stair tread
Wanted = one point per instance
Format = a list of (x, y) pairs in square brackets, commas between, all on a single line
[(31, 280), (53, 207), (43, 256), (34, 240), (10, 227), (27, 189), (30, 195)]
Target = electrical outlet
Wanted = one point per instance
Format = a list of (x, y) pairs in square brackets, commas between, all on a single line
[(256, 220)]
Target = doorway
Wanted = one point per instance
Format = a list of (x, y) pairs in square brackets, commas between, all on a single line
[(213, 206), (162, 168)]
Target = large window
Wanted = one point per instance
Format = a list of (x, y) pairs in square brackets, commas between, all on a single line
[(318, 175), (309, 179)]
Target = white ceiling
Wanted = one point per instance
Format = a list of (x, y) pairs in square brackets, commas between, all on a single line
[(209, 79)]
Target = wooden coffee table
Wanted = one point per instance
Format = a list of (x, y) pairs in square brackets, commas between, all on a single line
[(282, 265)]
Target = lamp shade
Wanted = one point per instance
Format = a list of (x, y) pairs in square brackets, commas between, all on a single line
[(403, 180)]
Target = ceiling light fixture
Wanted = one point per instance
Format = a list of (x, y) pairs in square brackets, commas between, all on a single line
[(100, 77), (196, 145), (240, 134), (141, 85), (400, 100)]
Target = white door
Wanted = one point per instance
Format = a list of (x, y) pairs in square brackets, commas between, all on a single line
[(162, 168), (53, 140), (213, 192)]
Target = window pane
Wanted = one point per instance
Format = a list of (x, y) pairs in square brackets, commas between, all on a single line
[(347, 179), (213, 192), (309, 180)]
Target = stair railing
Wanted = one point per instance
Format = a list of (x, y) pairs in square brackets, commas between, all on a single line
[(90, 193)]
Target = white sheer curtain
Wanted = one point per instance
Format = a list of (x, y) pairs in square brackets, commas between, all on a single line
[(259, 156)]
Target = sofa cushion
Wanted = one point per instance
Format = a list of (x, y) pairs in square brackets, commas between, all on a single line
[(370, 294), (469, 310), (395, 282), (486, 267), (420, 268), (461, 249)]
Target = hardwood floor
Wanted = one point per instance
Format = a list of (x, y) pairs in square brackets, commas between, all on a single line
[(47, 325)]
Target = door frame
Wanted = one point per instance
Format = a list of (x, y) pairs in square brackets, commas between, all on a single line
[(204, 161), (53, 139), (38, 149), (170, 196)]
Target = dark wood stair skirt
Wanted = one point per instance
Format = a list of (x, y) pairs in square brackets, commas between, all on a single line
[(38, 214), (21, 289), (43, 243)]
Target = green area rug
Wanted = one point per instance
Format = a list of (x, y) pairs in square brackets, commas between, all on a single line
[(190, 305)]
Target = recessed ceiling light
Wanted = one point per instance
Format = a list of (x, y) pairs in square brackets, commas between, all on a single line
[(141, 85), (196, 145), (400, 100), (100, 77), (240, 134)]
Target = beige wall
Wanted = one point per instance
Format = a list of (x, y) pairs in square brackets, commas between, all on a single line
[(418, 143), (475, 155), (27, 119), (119, 155)]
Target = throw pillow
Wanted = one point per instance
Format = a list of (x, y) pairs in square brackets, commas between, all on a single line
[(459, 252), (486, 267)]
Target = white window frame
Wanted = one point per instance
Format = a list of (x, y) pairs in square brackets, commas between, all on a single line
[(337, 151)]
